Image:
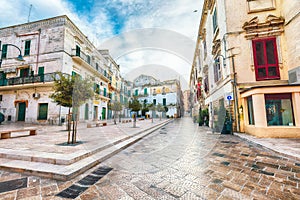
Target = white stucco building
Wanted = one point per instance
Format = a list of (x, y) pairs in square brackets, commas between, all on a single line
[(167, 93), (48, 46)]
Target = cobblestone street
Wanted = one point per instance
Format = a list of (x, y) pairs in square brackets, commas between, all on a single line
[(179, 161)]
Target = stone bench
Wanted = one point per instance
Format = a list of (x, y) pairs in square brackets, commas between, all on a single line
[(5, 134), (97, 124)]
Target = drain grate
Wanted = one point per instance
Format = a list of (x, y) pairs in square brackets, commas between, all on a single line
[(78, 188), (228, 142), (13, 184)]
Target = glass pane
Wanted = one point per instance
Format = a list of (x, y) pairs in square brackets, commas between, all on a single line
[(250, 111), (261, 72), (272, 71), (270, 52), (279, 112), (259, 53)]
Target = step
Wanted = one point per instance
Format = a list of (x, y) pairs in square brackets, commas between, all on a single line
[(57, 158), (66, 172)]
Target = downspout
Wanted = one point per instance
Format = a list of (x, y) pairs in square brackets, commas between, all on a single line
[(236, 103), (38, 52)]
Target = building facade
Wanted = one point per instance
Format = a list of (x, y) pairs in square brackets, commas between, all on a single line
[(49, 46), (246, 64), (167, 93)]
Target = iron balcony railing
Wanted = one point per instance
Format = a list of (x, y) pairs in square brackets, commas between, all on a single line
[(29, 79)]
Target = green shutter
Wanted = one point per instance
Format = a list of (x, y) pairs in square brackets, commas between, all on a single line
[(77, 50), (41, 73), (27, 48), (4, 51), (43, 111)]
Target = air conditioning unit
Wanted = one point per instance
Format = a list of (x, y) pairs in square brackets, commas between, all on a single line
[(36, 95), (294, 76)]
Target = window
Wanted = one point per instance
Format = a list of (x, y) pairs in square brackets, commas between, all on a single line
[(43, 111), (265, 59), (217, 70), (145, 91), (1, 97), (136, 92), (104, 92), (154, 101), (27, 48), (4, 51), (77, 50), (97, 66), (24, 72), (88, 59), (279, 111), (154, 91), (206, 84), (164, 101), (215, 21), (250, 110)]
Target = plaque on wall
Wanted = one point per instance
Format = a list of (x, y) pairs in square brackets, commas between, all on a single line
[(260, 5)]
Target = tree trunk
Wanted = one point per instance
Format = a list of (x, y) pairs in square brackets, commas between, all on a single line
[(115, 121), (134, 121), (69, 126), (73, 131), (152, 117)]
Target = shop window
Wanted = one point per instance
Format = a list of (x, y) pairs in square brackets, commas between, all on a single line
[(279, 110), (250, 110), (265, 59)]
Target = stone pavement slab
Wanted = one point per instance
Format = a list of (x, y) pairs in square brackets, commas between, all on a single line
[(286, 146), (42, 156)]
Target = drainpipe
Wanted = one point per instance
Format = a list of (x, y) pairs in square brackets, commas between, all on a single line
[(236, 104), (38, 52)]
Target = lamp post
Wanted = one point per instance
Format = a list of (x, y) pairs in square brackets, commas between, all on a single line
[(19, 58)]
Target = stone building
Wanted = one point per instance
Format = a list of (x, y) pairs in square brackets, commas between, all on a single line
[(167, 93), (247, 62), (48, 46)]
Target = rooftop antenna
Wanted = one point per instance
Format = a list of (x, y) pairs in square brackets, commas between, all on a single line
[(29, 12)]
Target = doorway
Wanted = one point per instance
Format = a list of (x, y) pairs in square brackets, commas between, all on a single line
[(21, 111)]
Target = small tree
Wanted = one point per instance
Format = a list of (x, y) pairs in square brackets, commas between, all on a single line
[(116, 107), (152, 108), (71, 92), (135, 106)]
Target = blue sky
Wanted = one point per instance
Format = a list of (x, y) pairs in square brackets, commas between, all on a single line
[(102, 20)]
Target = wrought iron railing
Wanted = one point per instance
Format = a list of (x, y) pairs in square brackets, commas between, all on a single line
[(29, 79)]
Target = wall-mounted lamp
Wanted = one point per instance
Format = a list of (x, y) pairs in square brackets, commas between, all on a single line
[(218, 62), (19, 58), (241, 109)]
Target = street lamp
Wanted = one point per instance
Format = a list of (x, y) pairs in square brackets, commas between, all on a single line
[(19, 58)]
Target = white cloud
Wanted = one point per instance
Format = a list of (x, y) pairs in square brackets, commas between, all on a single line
[(98, 24)]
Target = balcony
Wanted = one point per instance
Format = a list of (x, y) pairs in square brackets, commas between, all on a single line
[(87, 61), (28, 80)]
